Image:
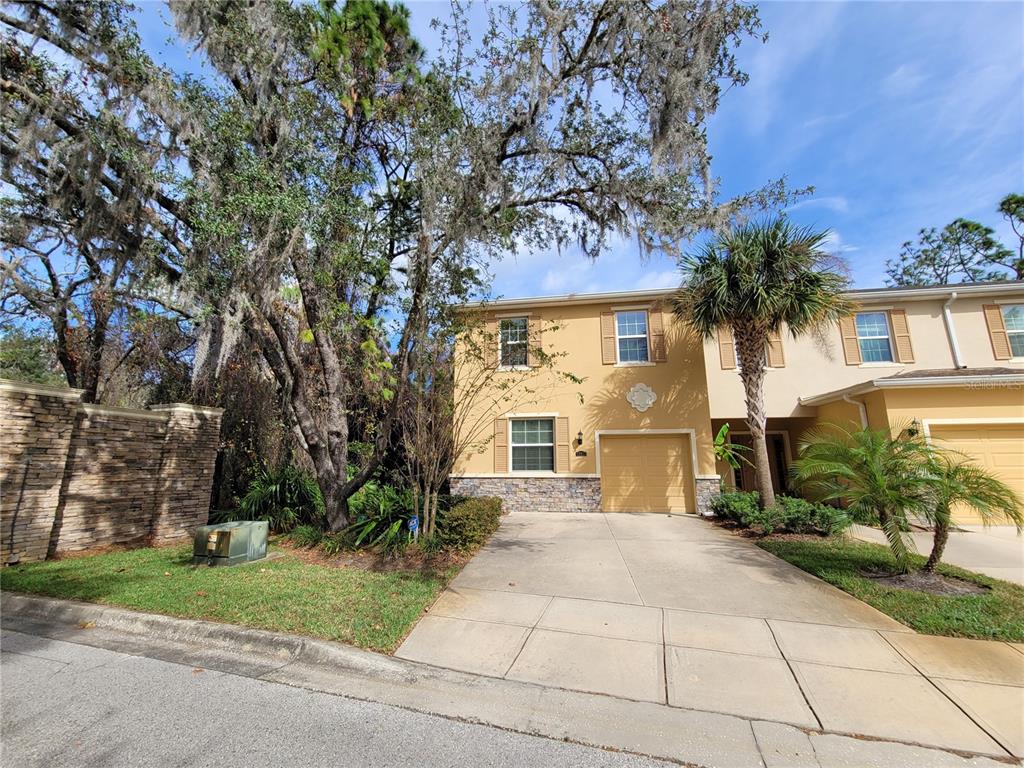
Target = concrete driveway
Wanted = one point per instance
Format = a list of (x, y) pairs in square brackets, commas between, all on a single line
[(673, 610)]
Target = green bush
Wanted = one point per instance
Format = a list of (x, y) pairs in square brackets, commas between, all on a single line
[(736, 506), (790, 514), (305, 536), (382, 515), (285, 498), (468, 524)]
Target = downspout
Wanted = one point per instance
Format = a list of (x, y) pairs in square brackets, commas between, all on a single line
[(861, 408), (951, 331)]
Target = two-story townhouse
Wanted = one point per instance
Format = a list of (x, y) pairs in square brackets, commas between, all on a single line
[(632, 429)]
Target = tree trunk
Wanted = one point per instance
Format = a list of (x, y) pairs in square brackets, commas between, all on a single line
[(939, 540), (751, 344), (335, 502)]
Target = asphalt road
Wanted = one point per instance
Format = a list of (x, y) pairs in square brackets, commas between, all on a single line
[(73, 705)]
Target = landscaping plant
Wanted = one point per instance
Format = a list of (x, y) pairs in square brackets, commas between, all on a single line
[(468, 524), (755, 281), (790, 514), (959, 481), (890, 478), (285, 498)]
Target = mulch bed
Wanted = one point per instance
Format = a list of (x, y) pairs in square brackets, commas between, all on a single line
[(414, 559), (921, 581)]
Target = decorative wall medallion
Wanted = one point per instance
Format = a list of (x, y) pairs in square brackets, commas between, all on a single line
[(641, 397)]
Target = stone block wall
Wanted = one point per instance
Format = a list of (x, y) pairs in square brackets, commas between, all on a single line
[(35, 432), (535, 494), (76, 477), (558, 494)]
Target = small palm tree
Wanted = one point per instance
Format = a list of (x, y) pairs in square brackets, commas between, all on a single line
[(880, 477), (753, 280), (958, 480)]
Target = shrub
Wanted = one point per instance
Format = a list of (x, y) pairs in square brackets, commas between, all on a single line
[(468, 523), (305, 536), (332, 544), (736, 505), (285, 498), (790, 514), (382, 514)]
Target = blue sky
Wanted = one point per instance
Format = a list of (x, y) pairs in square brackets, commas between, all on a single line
[(901, 115)]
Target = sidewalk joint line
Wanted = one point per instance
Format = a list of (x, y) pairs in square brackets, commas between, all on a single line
[(796, 678)]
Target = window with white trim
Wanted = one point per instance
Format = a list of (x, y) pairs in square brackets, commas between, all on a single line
[(873, 337), (631, 336), (533, 445), (1013, 321), (514, 333)]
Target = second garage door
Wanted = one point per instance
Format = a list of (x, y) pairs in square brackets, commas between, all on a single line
[(997, 447), (646, 473)]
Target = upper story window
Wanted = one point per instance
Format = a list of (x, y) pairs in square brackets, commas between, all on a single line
[(513, 332), (873, 337), (533, 445), (631, 336), (1013, 321)]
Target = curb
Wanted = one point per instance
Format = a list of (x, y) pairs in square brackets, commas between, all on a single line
[(690, 737)]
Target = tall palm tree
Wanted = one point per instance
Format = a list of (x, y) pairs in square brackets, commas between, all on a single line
[(958, 480), (754, 280), (880, 477)]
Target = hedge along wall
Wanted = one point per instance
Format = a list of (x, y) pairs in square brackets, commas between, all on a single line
[(75, 476)]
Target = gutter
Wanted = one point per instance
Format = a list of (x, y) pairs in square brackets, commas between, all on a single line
[(951, 330), (861, 408)]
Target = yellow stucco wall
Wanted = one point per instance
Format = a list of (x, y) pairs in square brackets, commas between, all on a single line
[(599, 402)]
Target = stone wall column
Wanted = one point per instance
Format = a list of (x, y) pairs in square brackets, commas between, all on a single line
[(707, 488), (186, 471), (36, 425)]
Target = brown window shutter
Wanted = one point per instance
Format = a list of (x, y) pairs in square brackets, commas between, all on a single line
[(562, 446), (608, 356), (776, 357), (533, 343), (851, 347), (491, 344), (726, 348), (656, 335), (901, 336), (997, 332), (501, 463)]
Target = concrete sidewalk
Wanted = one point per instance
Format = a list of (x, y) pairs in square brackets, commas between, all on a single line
[(996, 551), (676, 612), (694, 738)]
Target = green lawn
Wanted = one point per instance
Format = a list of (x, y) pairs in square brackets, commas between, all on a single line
[(365, 608), (997, 614)]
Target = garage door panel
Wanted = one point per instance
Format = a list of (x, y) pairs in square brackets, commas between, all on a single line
[(646, 473), (997, 447)]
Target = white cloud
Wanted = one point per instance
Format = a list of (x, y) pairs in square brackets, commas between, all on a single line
[(902, 81)]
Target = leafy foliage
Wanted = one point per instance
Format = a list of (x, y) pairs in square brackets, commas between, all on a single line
[(963, 251), (887, 479), (469, 523), (305, 536), (382, 515), (727, 451), (28, 357), (285, 498), (754, 280), (790, 514), (958, 481)]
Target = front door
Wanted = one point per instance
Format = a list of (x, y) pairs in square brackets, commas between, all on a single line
[(744, 477)]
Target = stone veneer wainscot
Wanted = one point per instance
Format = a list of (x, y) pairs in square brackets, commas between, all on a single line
[(557, 494)]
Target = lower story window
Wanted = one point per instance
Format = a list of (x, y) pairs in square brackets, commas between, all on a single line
[(533, 445)]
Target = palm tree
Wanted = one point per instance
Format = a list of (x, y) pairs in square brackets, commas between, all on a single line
[(880, 477), (753, 280), (957, 480)]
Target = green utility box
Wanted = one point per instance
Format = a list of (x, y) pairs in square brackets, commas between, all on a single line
[(230, 543)]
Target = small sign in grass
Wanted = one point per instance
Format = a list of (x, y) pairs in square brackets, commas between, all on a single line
[(370, 609), (994, 612)]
